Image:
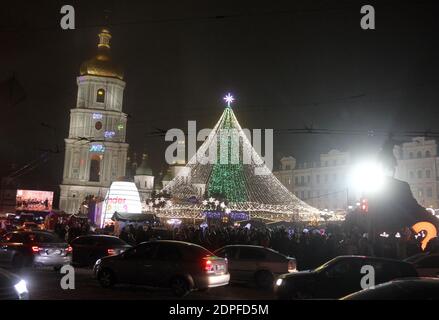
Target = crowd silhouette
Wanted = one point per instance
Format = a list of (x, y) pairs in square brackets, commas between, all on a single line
[(311, 248)]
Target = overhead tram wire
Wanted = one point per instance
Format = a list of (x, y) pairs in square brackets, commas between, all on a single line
[(209, 18)]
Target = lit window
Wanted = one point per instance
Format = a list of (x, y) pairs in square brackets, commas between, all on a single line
[(100, 95)]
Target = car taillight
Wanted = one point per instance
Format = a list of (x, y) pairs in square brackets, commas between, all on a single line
[(208, 265), (69, 249), (35, 249), (111, 252)]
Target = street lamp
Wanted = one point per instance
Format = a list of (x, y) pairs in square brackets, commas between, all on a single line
[(367, 177)]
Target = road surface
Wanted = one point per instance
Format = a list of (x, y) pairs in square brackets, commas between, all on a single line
[(45, 284)]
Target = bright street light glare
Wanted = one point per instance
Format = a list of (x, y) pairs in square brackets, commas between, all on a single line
[(367, 177)]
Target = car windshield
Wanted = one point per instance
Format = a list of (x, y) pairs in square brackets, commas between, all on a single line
[(196, 252), (325, 265), (42, 238), (110, 241)]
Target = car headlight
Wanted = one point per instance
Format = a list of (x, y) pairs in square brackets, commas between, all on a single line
[(279, 282), (98, 262), (21, 287)]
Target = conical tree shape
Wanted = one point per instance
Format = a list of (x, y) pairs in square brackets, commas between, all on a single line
[(232, 178), (227, 180)]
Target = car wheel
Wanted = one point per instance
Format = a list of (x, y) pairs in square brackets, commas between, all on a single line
[(180, 286), (106, 278), (264, 280), (18, 262)]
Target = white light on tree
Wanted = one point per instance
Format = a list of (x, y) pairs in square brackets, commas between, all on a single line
[(123, 197)]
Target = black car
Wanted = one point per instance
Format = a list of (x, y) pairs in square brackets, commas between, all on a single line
[(339, 277), (405, 289), (88, 249), (178, 265), (12, 287)]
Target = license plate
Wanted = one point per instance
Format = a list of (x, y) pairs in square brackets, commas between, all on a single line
[(53, 252), (219, 268)]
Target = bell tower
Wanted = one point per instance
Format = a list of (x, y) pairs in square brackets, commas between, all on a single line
[(95, 149)]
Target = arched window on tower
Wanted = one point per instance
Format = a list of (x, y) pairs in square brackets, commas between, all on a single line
[(100, 96), (95, 168)]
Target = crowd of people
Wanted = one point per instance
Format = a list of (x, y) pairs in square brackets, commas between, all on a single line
[(311, 247)]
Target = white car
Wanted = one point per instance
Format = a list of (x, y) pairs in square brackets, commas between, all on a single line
[(426, 264), (257, 264)]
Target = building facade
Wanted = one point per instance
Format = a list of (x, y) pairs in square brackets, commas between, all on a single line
[(95, 149), (418, 165), (325, 184), (144, 179), (322, 184)]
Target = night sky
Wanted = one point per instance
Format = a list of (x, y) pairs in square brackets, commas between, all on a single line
[(290, 64)]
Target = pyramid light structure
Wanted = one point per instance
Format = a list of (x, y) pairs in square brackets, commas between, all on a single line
[(240, 178)]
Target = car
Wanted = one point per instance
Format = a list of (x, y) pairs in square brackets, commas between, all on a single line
[(88, 249), (12, 287), (20, 249), (248, 263), (339, 277), (178, 265), (423, 288), (426, 264)]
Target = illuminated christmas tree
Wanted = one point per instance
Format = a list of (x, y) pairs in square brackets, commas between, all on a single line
[(227, 180), (232, 177)]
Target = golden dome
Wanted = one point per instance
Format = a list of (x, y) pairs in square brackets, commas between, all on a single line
[(102, 65)]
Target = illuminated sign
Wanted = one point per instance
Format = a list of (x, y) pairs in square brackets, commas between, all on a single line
[(34, 200), (97, 116), (123, 197), (97, 148), (427, 230), (120, 127), (109, 134)]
